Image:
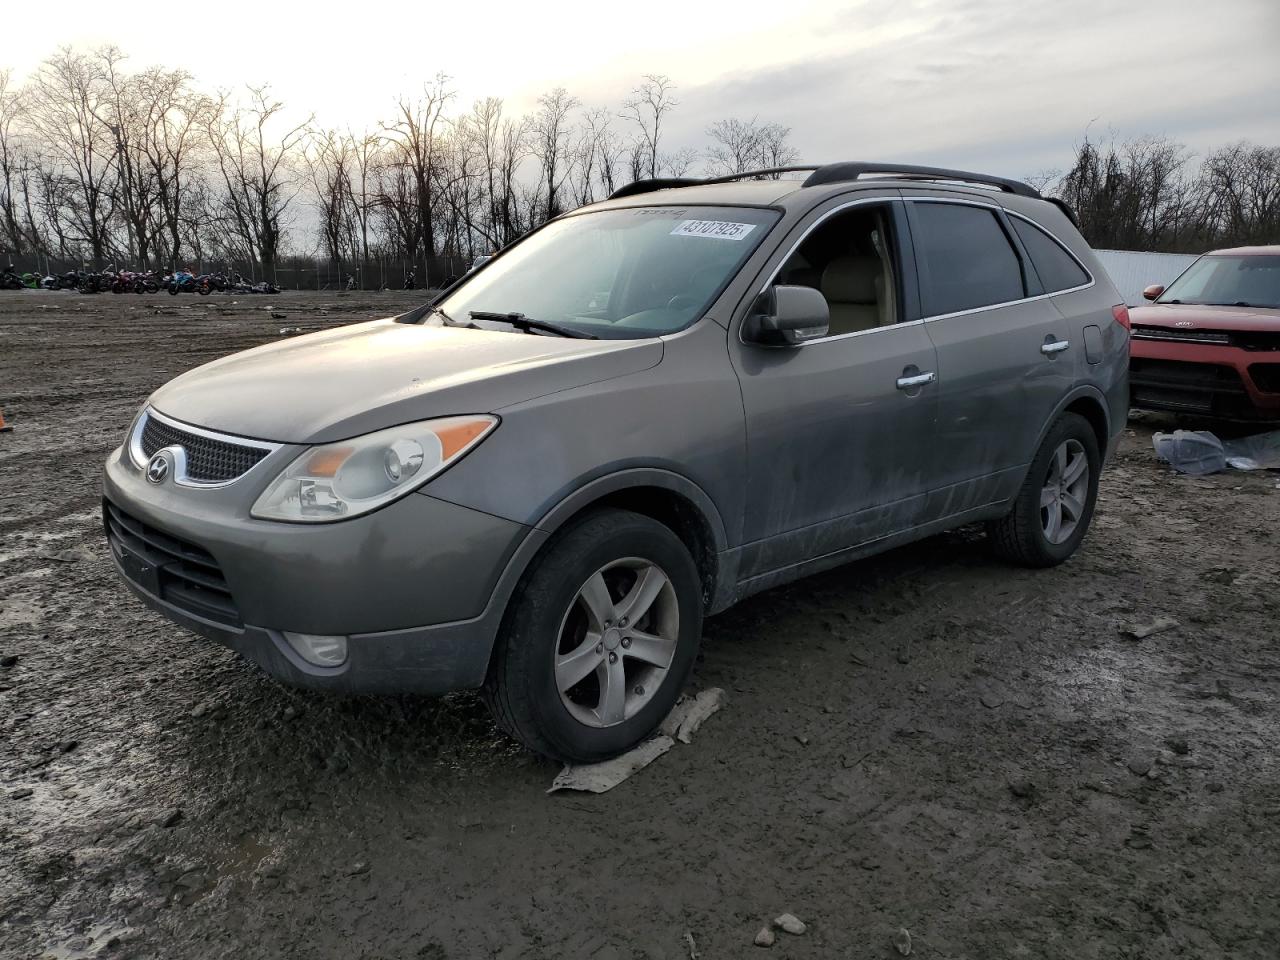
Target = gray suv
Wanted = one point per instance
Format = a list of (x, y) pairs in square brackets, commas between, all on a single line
[(640, 413)]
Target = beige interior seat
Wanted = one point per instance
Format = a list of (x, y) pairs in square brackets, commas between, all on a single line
[(849, 285)]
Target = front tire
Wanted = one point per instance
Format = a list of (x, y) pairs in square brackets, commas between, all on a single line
[(598, 640), (1052, 511)]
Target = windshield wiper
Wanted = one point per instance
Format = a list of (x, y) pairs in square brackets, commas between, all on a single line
[(448, 321), (521, 322)]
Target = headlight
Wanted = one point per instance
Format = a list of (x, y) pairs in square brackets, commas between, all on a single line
[(346, 479)]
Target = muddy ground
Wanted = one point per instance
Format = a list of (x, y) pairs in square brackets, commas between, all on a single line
[(930, 740)]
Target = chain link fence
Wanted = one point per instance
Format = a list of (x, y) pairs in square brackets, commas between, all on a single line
[(289, 273)]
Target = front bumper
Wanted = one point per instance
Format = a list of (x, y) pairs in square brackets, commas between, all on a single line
[(1219, 381), (415, 586)]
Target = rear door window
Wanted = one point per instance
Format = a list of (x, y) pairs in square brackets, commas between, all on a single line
[(1058, 270), (966, 258)]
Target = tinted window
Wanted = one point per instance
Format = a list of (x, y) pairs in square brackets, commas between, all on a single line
[(968, 261), (1058, 270)]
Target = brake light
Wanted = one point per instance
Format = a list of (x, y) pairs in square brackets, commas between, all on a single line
[(1121, 313)]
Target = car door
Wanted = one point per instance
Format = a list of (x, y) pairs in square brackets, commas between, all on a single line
[(839, 429), (1004, 354)]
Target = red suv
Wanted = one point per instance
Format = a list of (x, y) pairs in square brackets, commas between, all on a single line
[(1210, 342)]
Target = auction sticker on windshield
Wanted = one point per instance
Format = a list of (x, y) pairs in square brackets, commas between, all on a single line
[(715, 229)]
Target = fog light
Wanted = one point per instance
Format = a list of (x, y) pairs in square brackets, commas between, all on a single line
[(316, 648)]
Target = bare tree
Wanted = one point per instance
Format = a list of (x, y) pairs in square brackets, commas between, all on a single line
[(1240, 192), (328, 156), (133, 185), (363, 166), (742, 145), (594, 156), (735, 146), (647, 107), (1131, 195), (550, 135), (69, 93), (775, 148), (18, 230), (679, 163), (172, 145), (257, 171), (415, 133)]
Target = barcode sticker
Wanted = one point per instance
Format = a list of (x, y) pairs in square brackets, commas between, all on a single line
[(715, 229)]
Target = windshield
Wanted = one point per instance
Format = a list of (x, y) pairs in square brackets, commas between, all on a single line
[(1228, 281), (615, 274)]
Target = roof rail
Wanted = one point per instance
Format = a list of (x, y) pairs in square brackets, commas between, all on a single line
[(656, 183), (767, 171), (666, 183), (836, 173), (839, 172)]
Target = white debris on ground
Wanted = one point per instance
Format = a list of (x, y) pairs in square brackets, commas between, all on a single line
[(1199, 452), (602, 777), (1140, 631), (790, 923), (690, 713), (682, 722), (902, 942)]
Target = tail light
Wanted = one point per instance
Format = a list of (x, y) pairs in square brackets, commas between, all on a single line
[(1121, 313)]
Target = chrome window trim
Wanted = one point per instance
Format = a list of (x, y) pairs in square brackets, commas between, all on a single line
[(863, 201), (994, 208), (140, 459), (1058, 240)]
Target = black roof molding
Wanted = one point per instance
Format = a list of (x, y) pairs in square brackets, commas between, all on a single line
[(853, 170), (657, 183), (839, 173), (667, 183)]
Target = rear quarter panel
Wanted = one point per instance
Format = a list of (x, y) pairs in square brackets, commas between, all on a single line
[(1088, 306)]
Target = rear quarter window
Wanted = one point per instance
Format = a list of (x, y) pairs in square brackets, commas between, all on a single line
[(1058, 270)]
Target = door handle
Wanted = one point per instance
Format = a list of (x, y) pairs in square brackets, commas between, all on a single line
[(919, 380), (1054, 346)]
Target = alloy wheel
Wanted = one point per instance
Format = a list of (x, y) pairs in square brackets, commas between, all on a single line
[(1065, 492), (616, 642)]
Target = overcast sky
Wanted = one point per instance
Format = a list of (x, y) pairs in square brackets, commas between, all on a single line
[(1007, 86)]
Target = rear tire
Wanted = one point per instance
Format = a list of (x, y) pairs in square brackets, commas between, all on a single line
[(1052, 511), (589, 576)]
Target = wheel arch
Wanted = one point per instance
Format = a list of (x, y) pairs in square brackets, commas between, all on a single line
[(667, 497), (1089, 403)]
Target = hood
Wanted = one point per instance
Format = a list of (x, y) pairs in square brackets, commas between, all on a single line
[(1185, 316), (351, 380)]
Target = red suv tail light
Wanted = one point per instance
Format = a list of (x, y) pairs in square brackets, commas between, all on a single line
[(1121, 313)]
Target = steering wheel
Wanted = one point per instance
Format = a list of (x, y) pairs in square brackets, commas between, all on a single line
[(681, 301)]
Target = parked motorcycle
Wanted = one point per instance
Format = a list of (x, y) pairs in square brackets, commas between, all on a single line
[(97, 282), (70, 280), (10, 279), (184, 282)]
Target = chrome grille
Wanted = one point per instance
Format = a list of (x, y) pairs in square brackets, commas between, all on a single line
[(207, 460), (1180, 336)]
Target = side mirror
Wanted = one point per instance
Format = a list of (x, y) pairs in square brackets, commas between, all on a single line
[(1153, 291), (786, 316)]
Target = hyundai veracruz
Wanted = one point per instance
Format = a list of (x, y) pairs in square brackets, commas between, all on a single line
[(540, 483)]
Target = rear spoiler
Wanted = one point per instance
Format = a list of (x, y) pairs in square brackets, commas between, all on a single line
[(1066, 209)]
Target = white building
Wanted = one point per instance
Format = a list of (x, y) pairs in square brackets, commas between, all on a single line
[(1132, 270)]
